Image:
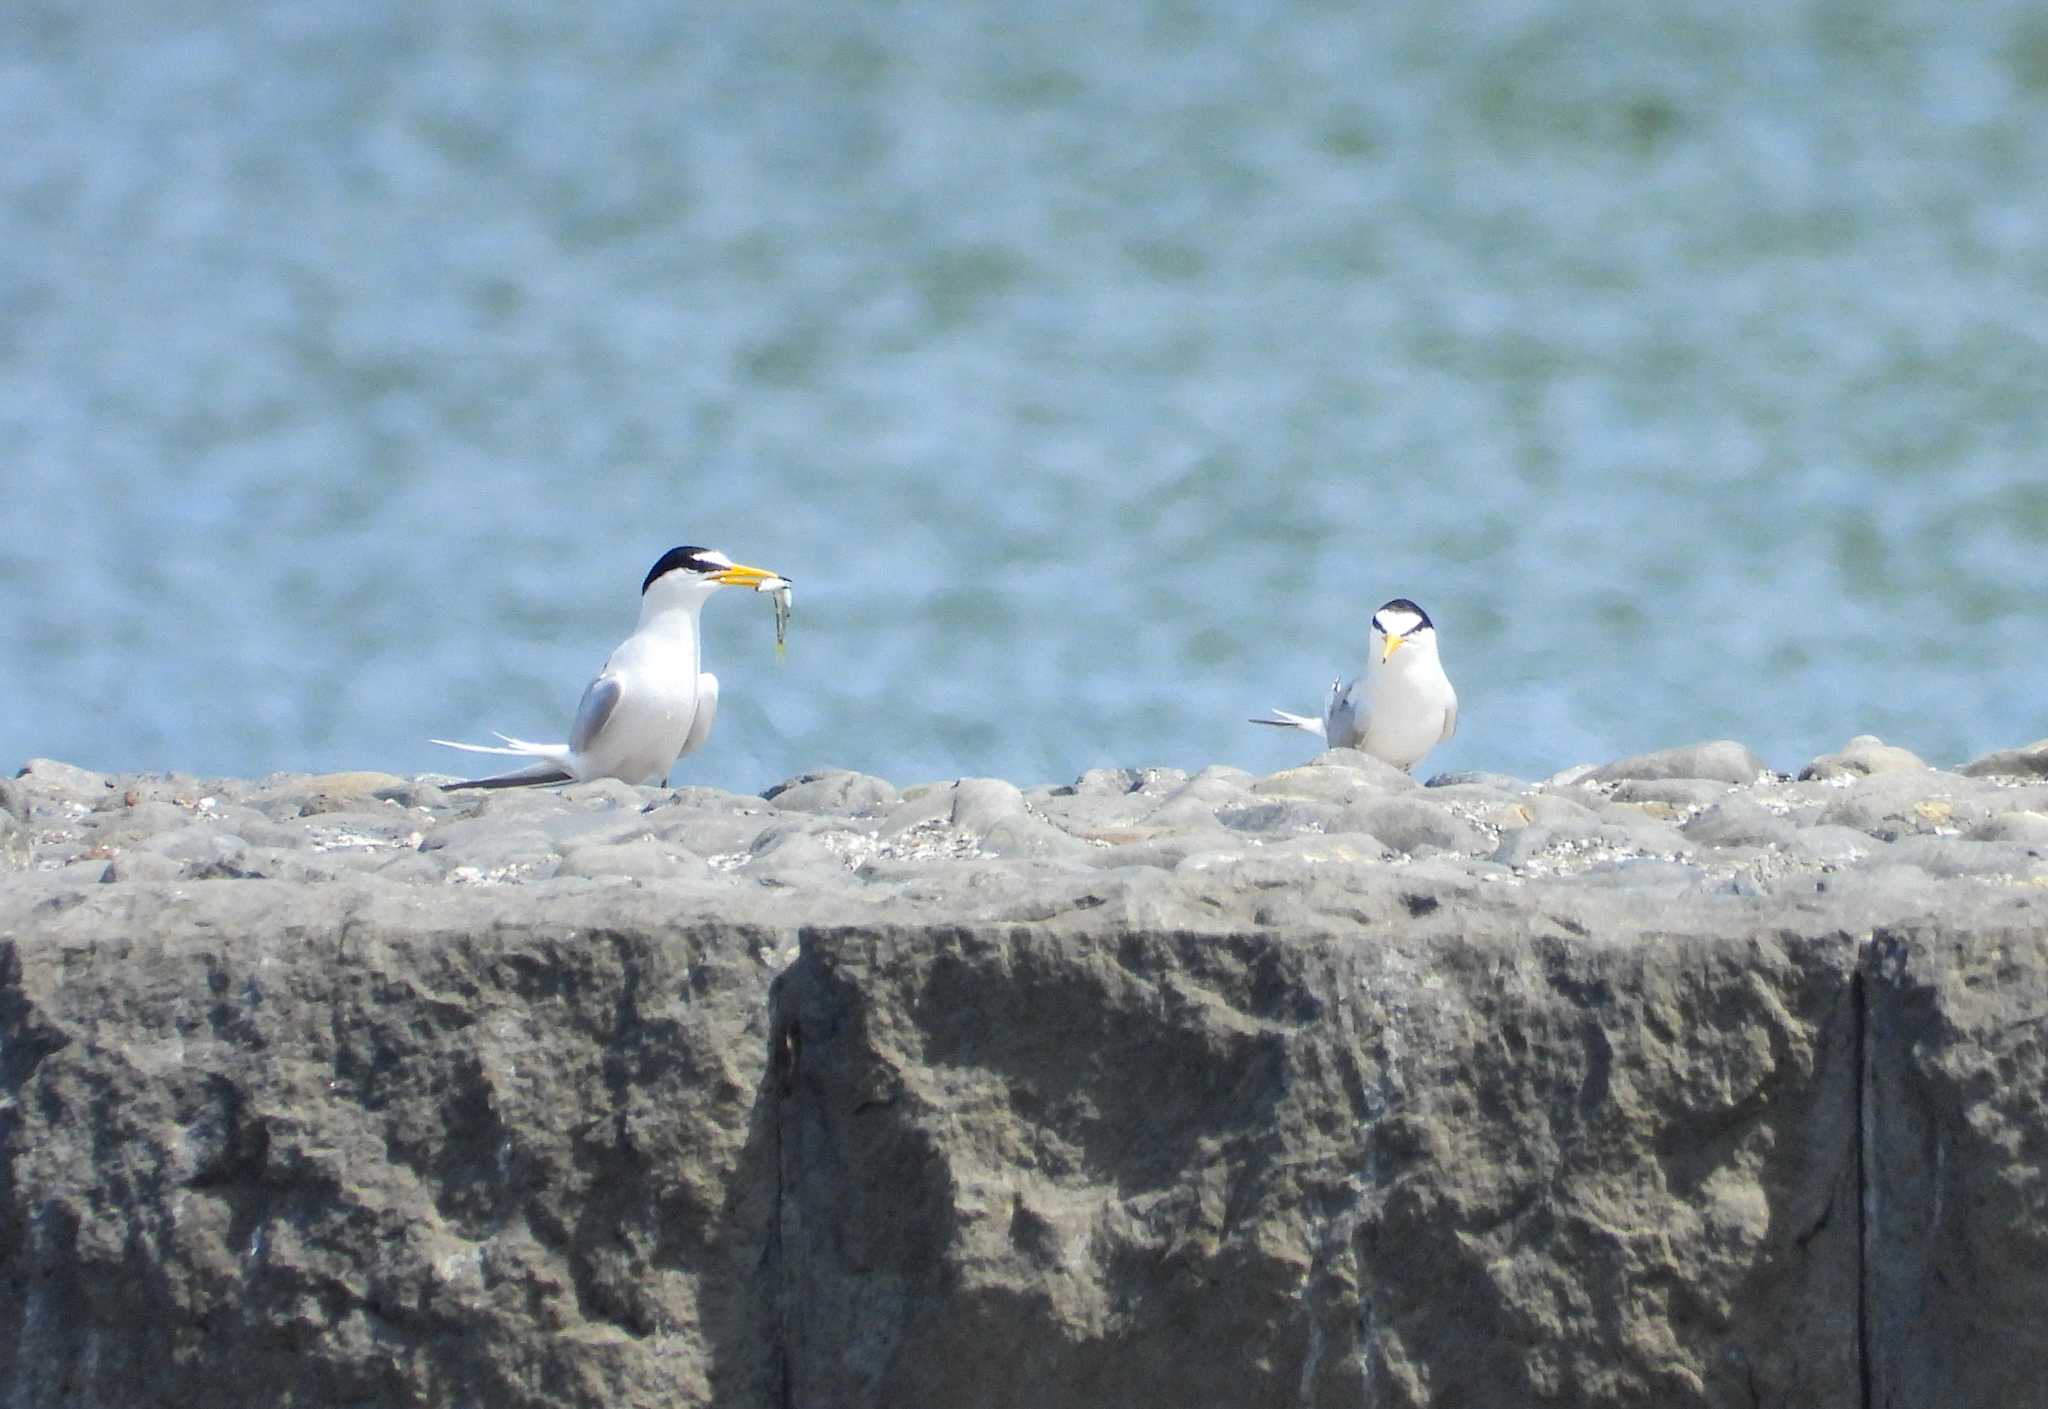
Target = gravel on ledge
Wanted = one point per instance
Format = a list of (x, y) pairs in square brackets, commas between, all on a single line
[(1698, 822)]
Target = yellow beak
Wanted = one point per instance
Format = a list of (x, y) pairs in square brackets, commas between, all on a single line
[(740, 575), (1393, 645)]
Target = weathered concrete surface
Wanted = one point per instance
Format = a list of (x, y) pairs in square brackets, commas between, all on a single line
[(1452, 1159), (1322, 1089), (254, 1155), (1957, 1166)]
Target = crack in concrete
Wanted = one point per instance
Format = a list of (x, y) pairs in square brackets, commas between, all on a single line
[(1865, 1184)]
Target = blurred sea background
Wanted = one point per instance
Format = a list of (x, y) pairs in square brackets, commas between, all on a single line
[(1094, 370)]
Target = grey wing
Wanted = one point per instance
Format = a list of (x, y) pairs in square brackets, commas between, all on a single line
[(1450, 718), (594, 711), (707, 710), (1342, 726)]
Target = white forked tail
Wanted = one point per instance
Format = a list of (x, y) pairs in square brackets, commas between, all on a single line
[(520, 748), (551, 764), (1283, 720)]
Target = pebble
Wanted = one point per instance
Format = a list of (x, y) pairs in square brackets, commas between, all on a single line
[(1320, 782), (1705, 820), (1673, 792), (1892, 805), (2028, 762), (1862, 756), (1738, 821), (1723, 760), (1376, 771), (634, 860), (2025, 828), (1409, 824), (1499, 781), (843, 793)]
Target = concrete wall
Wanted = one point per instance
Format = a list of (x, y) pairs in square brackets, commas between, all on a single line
[(267, 1143)]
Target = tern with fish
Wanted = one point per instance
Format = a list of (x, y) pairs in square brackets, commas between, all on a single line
[(653, 702)]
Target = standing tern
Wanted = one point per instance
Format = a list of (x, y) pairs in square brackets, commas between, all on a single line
[(1401, 706), (653, 702)]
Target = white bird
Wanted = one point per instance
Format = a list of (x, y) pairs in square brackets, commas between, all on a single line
[(1401, 707), (653, 702)]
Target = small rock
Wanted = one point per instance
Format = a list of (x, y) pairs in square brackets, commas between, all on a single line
[(1475, 778), (1518, 848), (607, 793), (1022, 835), (1589, 843), (138, 822), (1109, 817), (79, 784), (359, 831), (1320, 782), (1504, 816), (142, 866), (264, 863), (195, 842), (596, 827), (1626, 812), (979, 803), (495, 849), (971, 805), (1644, 873), (1677, 792), (536, 804), (1892, 805), (633, 860), (416, 792), (1280, 816), (1736, 821), (801, 852), (1197, 801), (1211, 858), (1155, 782), (1947, 857), (1385, 774), (1340, 849), (1163, 852), (1859, 758), (2028, 762), (334, 792), (1477, 795), (1723, 760), (1551, 810), (1826, 845), (2023, 828), (1408, 824), (700, 799), (717, 832), (838, 792), (410, 868)]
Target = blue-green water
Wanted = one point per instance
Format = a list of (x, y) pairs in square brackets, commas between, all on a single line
[(1094, 370)]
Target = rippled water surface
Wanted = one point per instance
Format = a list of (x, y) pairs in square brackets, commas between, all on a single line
[(1095, 370)]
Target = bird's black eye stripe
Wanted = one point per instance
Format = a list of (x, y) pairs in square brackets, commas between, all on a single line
[(1402, 604), (688, 556)]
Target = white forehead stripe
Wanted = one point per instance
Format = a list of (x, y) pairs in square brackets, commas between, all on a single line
[(1396, 623), (715, 557)]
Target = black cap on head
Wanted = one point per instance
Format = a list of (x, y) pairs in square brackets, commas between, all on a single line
[(688, 556), (1402, 604)]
